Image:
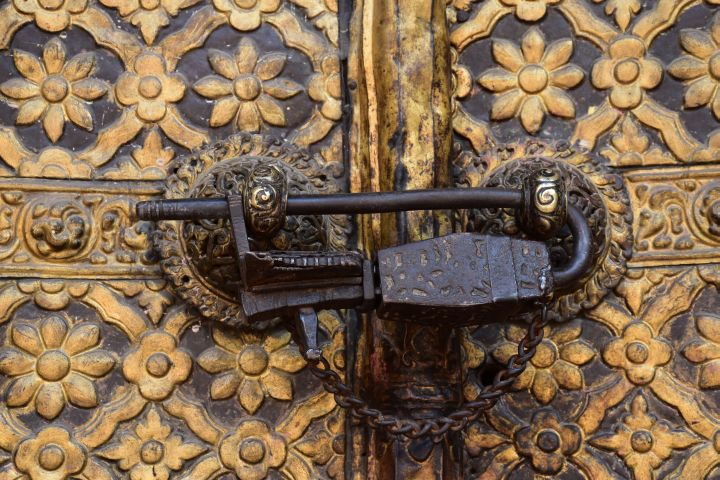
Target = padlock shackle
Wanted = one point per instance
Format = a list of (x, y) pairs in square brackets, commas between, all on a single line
[(581, 259), (340, 203), (384, 202)]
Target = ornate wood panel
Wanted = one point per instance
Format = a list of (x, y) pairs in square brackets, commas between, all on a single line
[(624, 385), (104, 373)]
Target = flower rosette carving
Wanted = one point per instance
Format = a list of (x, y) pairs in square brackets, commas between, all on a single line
[(156, 365), (53, 363), (627, 71), (246, 15), (591, 187), (247, 88), (199, 257), (555, 364), (699, 67), (150, 89), (252, 450), (251, 367), (54, 89), (548, 442), (51, 15), (638, 352), (54, 454), (151, 450), (643, 441), (532, 80)]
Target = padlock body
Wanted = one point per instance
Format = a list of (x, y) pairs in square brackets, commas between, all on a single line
[(462, 279)]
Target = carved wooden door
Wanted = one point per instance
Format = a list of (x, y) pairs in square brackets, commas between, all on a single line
[(111, 365)]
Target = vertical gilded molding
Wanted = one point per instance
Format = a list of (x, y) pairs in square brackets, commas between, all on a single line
[(401, 140)]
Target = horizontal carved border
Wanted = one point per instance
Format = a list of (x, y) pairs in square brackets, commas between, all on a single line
[(677, 215), (75, 229)]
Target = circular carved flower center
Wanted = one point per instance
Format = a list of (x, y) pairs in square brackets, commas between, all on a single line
[(533, 78), (150, 87), (245, 3), (627, 71), (55, 88), (158, 364), (545, 355), (714, 65), (53, 365), (149, 4), (152, 452), (716, 441), (637, 352), (51, 4), (252, 450), (253, 360), (548, 441), (641, 441), (51, 457), (247, 87)]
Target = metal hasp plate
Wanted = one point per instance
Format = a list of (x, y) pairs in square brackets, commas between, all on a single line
[(277, 283), (462, 279)]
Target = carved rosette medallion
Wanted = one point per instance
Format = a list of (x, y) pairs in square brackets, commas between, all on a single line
[(199, 256), (591, 187)]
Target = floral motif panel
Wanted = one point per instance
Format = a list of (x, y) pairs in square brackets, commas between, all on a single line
[(627, 386), (104, 373)]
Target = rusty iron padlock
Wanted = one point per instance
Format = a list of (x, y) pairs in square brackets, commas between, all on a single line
[(455, 280)]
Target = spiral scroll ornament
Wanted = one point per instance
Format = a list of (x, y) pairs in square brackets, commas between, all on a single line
[(545, 204), (199, 257)]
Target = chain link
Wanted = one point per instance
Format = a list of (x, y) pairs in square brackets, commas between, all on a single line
[(436, 426)]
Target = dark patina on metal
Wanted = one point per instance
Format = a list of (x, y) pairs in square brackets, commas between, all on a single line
[(454, 280)]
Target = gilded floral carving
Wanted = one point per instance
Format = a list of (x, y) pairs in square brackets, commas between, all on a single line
[(52, 454), (622, 10), (638, 352), (152, 450), (59, 230), (150, 88), (246, 14), (705, 350), (630, 146), (51, 15), (252, 450), (547, 442), (247, 88), (643, 441), (699, 67), (53, 363), (530, 10), (556, 363), (325, 87), (157, 365), (54, 89), (251, 367), (532, 80), (149, 15), (627, 70)]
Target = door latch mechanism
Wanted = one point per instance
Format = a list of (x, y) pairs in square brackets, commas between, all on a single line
[(453, 280)]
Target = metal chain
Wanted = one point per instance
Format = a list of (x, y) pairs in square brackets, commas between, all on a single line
[(436, 426)]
